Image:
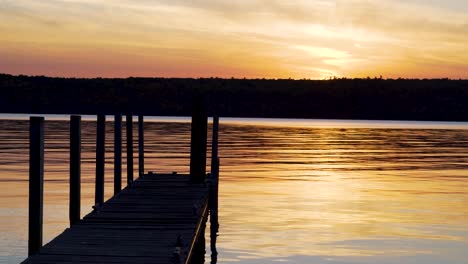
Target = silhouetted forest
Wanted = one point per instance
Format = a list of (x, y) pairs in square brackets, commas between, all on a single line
[(391, 99)]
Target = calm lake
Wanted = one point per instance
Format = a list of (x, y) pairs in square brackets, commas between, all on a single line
[(291, 191)]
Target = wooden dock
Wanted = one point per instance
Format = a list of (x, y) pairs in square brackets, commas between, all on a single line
[(157, 218)]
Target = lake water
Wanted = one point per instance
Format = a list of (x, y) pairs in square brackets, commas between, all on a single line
[(291, 191)]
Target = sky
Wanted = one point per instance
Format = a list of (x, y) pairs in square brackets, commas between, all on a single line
[(315, 39)]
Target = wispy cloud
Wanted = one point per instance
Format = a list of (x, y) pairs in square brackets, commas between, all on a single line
[(253, 38)]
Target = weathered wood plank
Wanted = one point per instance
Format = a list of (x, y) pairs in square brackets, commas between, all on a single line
[(139, 225)]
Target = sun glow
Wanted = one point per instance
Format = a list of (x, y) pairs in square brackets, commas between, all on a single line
[(298, 39)]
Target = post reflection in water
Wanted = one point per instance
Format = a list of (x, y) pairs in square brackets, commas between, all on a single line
[(214, 228), (293, 194)]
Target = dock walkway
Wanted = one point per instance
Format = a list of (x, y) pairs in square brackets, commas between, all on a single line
[(150, 221), (158, 218)]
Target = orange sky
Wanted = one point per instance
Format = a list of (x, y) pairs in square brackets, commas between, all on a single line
[(243, 38)]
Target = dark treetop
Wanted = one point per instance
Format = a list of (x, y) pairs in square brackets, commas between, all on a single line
[(398, 99)]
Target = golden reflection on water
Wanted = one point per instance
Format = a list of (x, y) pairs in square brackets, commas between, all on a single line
[(310, 217), (288, 194), (348, 194)]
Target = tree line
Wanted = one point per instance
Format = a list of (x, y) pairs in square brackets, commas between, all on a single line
[(377, 98)]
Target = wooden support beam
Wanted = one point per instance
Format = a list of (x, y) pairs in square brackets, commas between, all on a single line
[(213, 191), (36, 183), (214, 173), (214, 142), (141, 146), (117, 153), (75, 170), (198, 142), (129, 124), (100, 159)]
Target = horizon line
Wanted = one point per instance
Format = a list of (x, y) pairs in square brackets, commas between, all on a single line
[(331, 78)]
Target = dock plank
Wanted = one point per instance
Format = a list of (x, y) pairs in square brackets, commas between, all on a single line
[(139, 225)]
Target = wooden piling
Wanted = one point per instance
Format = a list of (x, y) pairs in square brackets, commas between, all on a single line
[(75, 170), (141, 147), (214, 142), (198, 141), (100, 159), (129, 126), (117, 153), (214, 171), (36, 183), (214, 164), (214, 187)]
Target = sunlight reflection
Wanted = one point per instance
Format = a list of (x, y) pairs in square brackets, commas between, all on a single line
[(287, 193)]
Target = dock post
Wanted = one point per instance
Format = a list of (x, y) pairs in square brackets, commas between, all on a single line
[(198, 142), (75, 170), (129, 126), (36, 183), (141, 147), (100, 159), (117, 153), (214, 142), (213, 201), (215, 161)]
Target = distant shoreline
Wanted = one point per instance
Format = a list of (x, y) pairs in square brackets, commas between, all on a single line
[(348, 99)]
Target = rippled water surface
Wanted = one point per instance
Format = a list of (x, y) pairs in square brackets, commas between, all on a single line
[(290, 191)]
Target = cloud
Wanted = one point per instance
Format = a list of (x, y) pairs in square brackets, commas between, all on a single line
[(254, 37)]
